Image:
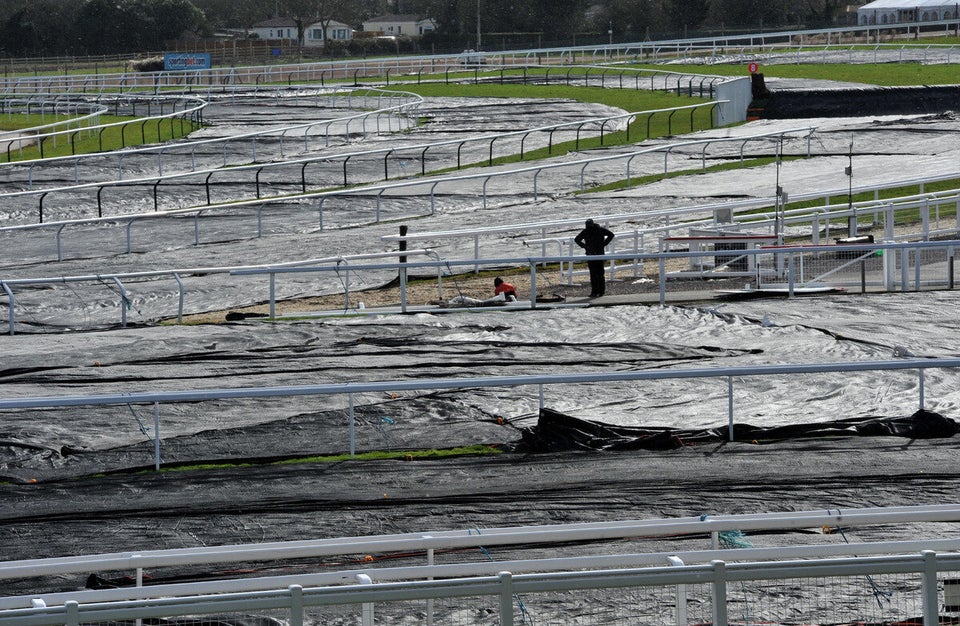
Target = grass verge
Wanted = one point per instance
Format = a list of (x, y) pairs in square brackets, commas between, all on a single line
[(129, 132), (659, 124), (880, 74), (375, 455)]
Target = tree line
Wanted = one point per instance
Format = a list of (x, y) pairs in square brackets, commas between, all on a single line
[(92, 27)]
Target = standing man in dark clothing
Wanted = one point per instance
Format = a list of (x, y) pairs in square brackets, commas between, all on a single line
[(594, 238)]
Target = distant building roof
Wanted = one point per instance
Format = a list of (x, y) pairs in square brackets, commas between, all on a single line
[(276, 22), (908, 4), (396, 18)]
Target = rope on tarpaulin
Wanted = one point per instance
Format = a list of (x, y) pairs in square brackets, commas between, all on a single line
[(878, 593), (524, 616), (732, 539)]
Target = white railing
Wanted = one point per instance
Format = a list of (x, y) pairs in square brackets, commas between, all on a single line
[(679, 590), (432, 544), (784, 267), (681, 529), (397, 104), (429, 186), (156, 398), (338, 161)]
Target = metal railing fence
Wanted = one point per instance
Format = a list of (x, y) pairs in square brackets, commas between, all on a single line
[(816, 588), (184, 153), (397, 103), (426, 189), (906, 266), (437, 541), (713, 45), (730, 374), (182, 109), (706, 525)]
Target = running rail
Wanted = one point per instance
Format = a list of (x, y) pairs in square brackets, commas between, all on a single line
[(350, 389), (709, 584), (423, 148), (459, 539)]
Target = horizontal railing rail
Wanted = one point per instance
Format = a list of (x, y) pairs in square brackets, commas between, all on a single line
[(149, 183), (714, 45), (427, 544), (788, 273), (156, 398), (377, 192), (183, 108), (714, 580), (397, 102), (76, 111)]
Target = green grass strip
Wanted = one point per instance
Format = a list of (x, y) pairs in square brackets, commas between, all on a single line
[(135, 132), (629, 100), (880, 74), (375, 455), (653, 178)]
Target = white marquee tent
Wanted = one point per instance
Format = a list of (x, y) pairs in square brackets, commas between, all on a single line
[(881, 12)]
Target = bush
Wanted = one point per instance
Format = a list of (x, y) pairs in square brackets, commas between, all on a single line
[(151, 64)]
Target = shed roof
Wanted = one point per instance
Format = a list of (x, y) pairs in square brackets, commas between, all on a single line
[(276, 22), (396, 18), (907, 4)]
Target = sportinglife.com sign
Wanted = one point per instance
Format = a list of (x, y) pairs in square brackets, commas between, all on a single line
[(186, 61)]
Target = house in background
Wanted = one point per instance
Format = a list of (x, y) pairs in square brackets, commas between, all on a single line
[(336, 31), (413, 26), (285, 29), (276, 29)]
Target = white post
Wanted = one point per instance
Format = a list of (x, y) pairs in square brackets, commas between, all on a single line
[(730, 406), (921, 389), (719, 593), (430, 562), (135, 558), (366, 610), (904, 269), (790, 276), (156, 436), (931, 598), (533, 285), (273, 295), (506, 598), (353, 429), (681, 594), (72, 613), (296, 605)]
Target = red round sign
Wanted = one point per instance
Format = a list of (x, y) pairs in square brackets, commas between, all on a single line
[(753, 67)]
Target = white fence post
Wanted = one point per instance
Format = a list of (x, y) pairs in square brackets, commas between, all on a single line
[(931, 613), (430, 563), (72, 613), (730, 406), (296, 605), (506, 598), (366, 610), (719, 593), (156, 436), (681, 594), (353, 428)]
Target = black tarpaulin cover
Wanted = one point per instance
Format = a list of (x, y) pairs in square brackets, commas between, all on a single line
[(556, 432)]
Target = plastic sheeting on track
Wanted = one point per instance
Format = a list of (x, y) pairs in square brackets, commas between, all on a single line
[(556, 432)]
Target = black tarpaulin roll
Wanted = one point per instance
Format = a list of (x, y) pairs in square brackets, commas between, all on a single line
[(556, 432)]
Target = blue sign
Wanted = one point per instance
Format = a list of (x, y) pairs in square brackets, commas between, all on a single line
[(186, 61)]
